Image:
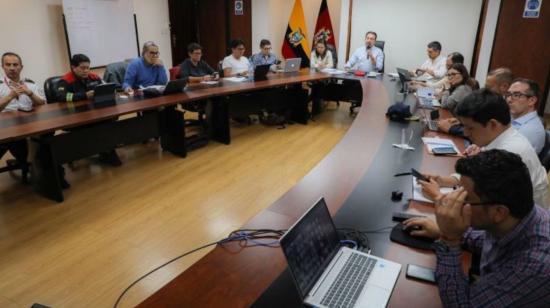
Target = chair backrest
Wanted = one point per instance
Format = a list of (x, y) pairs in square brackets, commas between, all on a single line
[(334, 54), (220, 68), (175, 72), (544, 155), (50, 89), (114, 72), (380, 44)]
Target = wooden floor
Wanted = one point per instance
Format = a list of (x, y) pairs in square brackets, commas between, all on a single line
[(118, 223)]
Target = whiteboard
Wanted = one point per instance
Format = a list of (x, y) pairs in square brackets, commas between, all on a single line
[(103, 30), (408, 26)]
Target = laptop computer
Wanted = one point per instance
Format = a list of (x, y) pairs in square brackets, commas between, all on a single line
[(260, 72), (105, 95), (291, 65), (174, 86), (328, 274)]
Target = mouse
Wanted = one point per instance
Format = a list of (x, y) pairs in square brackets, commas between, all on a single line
[(410, 229)]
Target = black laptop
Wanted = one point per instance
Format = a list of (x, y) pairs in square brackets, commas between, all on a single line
[(260, 72), (105, 95)]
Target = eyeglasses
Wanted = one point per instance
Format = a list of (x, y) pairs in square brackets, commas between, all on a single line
[(516, 95), (452, 74), (154, 53)]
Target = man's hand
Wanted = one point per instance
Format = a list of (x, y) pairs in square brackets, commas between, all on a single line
[(453, 217), (158, 62), (207, 78), (90, 94), (472, 150), (446, 124), (431, 189), (428, 227), (443, 181)]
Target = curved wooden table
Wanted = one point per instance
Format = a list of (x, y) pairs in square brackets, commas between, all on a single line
[(233, 277)]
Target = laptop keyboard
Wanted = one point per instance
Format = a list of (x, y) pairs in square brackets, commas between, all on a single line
[(347, 287)]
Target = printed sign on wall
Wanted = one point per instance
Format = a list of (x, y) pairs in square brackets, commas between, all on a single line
[(532, 8), (239, 7)]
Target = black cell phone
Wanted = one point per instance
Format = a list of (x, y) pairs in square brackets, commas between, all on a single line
[(444, 151), (421, 273), (419, 175), (402, 216), (434, 114)]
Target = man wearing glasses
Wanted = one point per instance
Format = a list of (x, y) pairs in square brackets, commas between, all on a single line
[(486, 119), (265, 56), (236, 64), (523, 98), (492, 214), (145, 71)]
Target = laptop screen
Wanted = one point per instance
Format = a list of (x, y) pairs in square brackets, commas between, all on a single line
[(310, 245)]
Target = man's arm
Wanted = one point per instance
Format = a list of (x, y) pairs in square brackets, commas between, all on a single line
[(440, 69), (5, 100), (162, 78), (129, 77), (380, 61), (353, 60), (506, 286)]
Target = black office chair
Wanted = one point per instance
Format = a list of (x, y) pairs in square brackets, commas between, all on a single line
[(50, 89), (544, 155), (380, 44), (14, 164), (220, 68)]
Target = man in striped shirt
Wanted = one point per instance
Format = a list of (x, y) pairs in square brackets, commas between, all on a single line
[(492, 214)]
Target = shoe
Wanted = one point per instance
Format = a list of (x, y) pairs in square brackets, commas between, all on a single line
[(110, 158)]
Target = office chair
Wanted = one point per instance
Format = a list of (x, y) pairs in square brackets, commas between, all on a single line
[(201, 137), (544, 155), (220, 68), (380, 44), (50, 89), (114, 73), (14, 164)]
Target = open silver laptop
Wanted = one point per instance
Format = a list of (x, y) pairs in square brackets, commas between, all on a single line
[(291, 65), (328, 274)]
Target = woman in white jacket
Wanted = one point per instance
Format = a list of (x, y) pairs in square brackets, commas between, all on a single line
[(321, 57)]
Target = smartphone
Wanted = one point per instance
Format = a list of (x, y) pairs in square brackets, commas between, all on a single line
[(419, 175), (402, 216), (421, 273), (444, 151)]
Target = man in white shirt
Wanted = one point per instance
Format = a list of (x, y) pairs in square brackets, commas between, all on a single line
[(486, 119), (17, 93), (369, 58), (435, 65), (523, 99), (236, 64)]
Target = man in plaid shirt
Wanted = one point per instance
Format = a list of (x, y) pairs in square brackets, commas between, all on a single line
[(493, 214)]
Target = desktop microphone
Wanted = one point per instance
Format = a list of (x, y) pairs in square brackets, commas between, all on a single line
[(368, 48)]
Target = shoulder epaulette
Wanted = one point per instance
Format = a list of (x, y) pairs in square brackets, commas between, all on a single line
[(28, 80)]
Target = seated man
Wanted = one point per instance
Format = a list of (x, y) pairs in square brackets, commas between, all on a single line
[(492, 214), (194, 69), (442, 84), (486, 119), (369, 58), (79, 84), (265, 56), (434, 66), (523, 99), (498, 81), (236, 64), (148, 70), (17, 93)]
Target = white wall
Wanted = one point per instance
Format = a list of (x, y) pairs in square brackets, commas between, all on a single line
[(34, 30), (408, 26), (270, 20), (487, 40)]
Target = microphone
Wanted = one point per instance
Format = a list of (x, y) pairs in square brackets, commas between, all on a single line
[(368, 48)]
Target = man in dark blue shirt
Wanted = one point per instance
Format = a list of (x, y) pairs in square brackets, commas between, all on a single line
[(194, 69)]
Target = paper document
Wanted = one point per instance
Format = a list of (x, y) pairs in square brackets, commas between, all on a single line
[(394, 75), (210, 82), (333, 71), (417, 194), (432, 143), (235, 79), (373, 74)]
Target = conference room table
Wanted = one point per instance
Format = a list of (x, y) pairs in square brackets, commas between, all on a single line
[(356, 179), (89, 130)]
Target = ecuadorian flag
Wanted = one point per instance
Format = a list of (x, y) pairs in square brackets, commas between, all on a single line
[(295, 44)]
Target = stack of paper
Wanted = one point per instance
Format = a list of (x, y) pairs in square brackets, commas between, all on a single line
[(235, 79), (417, 194), (333, 71)]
